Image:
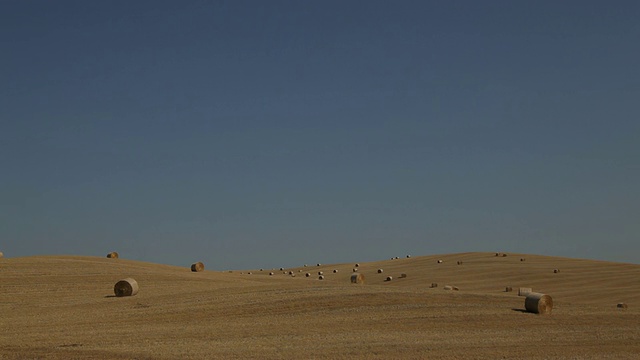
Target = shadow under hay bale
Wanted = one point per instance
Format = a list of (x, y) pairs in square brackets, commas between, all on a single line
[(621, 306), (403, 275), (126, 287), (357, 279), (197, 267), (524, 291), (113, 255), (538, 303)]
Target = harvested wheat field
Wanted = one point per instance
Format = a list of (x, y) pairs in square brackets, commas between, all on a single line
[(64, 307)]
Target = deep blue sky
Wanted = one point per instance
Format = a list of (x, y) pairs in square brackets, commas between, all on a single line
[(250, 134)]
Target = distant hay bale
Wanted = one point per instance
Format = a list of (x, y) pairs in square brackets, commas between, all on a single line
[(335, 271), (447, 287), (307, 274), (271, 273), (293, 275), (497, 254), (1, 255), (434, 285), (320, 273), (455, 288), (439, 261), (249, 273), (299, 270), (459, 262), (290, 272), (357, 265), (397, 257), (524, 291), (113, 255), (538, 303), (318, 264), (357, 279), (389, 278), (197, 267), (555, 271), (408, 256), (281, 269), (321, 277), (355, 269), (380, 271), (261, 269), (522, 259), (621, 306), (508, 289), (126, 287), (305, 265), (403, 275), (504, 255)]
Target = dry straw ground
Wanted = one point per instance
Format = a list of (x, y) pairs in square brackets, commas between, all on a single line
[(63, 307)]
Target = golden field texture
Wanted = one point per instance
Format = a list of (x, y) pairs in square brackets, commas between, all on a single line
[(64, 307)]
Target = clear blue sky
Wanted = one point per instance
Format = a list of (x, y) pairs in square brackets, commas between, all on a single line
[(250, 134)]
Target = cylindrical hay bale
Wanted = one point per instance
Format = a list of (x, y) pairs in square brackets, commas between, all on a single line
[(555, 271), (357, 279), (403, 275), (355, 269), (389, 278), (320, 273), (434, 285), (290, 272), (524, 291), (318, 264), (447, 287), (335, 271), (197, 267), (408, 256), (126, 287), (307, 274), (281, 269), (439, 261), (538, 303), (271, 273), (357, 265), (293, 274), (305, 265), (504, 255), (1, 255), (459, 262), (497, 254), (522, 259), (380, 271), (455, 288), (397, 257), (112, 255), (508, 289), (621, 305), (321, 277)]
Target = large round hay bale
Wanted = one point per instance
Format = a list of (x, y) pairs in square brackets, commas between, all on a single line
[(320, 273), (355, 269), (403, 275), (126, 287), (357, 265), (335, 271), (459, 262), (447, 287), (555, 271), (357, 279), (439, 261), (271, 273), (622, 306), (380, 271), (321, 277), (389, 278), (112, 255), (538, 303), (434, 285), (318, 264), (408, 256), (1, 255), (307, 274), (508, 289), (197, 267)]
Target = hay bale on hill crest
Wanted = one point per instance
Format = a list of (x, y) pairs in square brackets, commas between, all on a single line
[(197, 267), (113, 255)]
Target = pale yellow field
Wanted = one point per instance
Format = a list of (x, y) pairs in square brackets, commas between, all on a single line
[(62, 307)]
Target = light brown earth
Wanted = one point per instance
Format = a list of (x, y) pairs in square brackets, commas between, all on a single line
[(62, 307)]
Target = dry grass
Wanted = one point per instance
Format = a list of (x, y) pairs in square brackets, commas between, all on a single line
[(223, 315)]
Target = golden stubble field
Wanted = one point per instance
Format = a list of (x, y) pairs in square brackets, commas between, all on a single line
[(63, 307)]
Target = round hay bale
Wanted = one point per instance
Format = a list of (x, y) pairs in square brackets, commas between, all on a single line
[(299, 270), (439, 261), (197, 267), (447, 287), (522, 259), (357, 279), (271, 273), (397, 258), (318, 264), (497, 254), (508, 289), (621, 306), (321, 277), (538, 303), (434, 285), (126, 287), (408, 256), (355, 269), (281, 269), (290, 272), (459, 262), (293, 275), (320, 273), (305, 265), (455, 288), (389, 278), (403, 275), (307, 274), (335, 271), (524, 291), (357, 265), (380, 271), (1, 255), (555, 271), (504, 255), (112, 255), (249, 273)]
